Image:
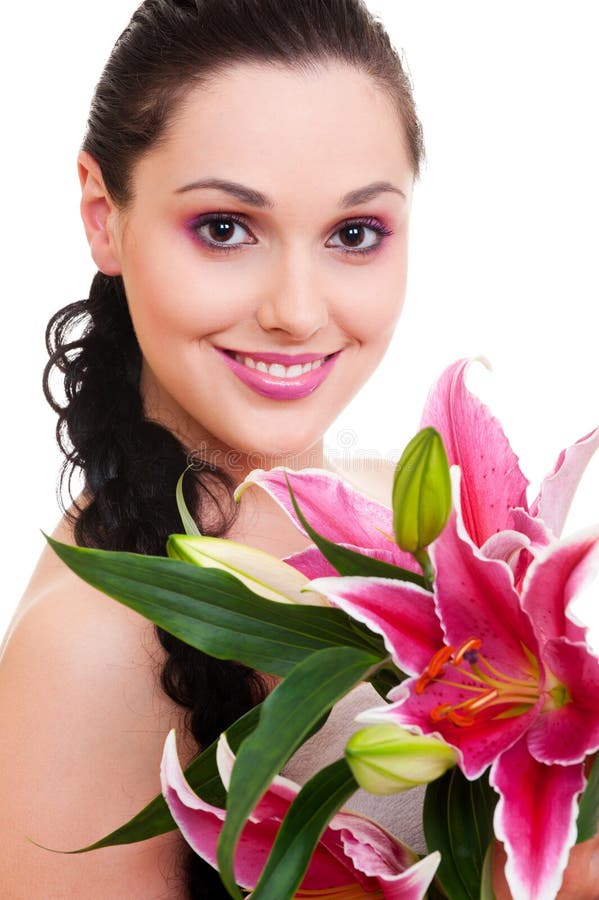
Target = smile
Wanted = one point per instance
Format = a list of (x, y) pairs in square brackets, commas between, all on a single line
[(278, 370), (279, 376)]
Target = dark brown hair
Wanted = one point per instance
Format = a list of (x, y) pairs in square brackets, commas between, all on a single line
[(130, 465)]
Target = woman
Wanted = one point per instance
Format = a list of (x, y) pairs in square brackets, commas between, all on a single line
[(246, 182)]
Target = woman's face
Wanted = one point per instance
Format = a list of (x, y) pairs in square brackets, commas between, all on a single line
[(273, 220)]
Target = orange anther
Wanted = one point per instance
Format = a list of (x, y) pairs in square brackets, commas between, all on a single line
[(440, 658), (457, 719), (440, 712), (424, 680)]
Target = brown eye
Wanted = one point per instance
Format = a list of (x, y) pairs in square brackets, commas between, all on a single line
[(352, 235), (220, 230), (359, 237)]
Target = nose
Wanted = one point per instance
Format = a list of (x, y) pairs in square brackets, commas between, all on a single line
[(293, 301)]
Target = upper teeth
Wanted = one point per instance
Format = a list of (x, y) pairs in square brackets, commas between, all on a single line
[(277, 369)]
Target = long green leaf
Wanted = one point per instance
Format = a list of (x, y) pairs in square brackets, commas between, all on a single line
[(214, 611), (588, 813), (187, 519), (288, 715), (350, 562), (306, 819), (458, 821)]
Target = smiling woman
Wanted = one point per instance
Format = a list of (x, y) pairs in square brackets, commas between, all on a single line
[(246, 189), (230, 257)]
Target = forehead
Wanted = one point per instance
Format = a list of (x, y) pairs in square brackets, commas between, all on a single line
[(284, 132)]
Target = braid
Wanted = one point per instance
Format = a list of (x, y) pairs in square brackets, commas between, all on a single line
[(130, 469)]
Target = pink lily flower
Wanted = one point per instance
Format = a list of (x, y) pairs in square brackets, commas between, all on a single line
[(338, 511), (493, 493), (355, 858), (503, 675)]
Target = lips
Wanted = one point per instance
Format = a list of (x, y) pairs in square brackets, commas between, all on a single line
[(273, 386)]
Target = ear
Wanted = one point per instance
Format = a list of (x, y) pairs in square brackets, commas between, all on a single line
[(100, 215)]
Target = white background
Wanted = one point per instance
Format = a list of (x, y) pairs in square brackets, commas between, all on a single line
[(503, 247)]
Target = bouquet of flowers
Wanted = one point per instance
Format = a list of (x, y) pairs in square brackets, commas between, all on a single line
[(455, 603)]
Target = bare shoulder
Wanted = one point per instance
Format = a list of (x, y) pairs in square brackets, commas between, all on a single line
[(84, 726)]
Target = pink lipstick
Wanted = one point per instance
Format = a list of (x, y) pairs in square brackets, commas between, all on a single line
[(280, 387)]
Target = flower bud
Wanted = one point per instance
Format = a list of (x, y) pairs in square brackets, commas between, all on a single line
[(421, 492), (387, 759), (262, 573)]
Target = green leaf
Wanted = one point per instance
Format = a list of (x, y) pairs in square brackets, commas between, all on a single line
[(288, 714), (306, 819), (458, 821), (350, 562), (588, 813), (214, 612), (187, 520)]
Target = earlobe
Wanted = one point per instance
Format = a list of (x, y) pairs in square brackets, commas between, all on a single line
[(99, 214)]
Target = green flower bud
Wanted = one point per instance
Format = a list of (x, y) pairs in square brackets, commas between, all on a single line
[(421, 492), (261, 572), (387, 759)]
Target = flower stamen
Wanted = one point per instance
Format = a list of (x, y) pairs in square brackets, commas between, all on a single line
[(491, 688)]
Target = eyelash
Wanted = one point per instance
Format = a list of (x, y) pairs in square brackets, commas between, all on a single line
[(208, 218)]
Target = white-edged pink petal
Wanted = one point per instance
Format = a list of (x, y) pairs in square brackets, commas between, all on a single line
[(379, 856), (401, 612), (553, 580), (412, 884), (475, 596), (558, 488), (200, 823), (570, 731), (536, 820), (506, 545), (492, 482), (280, 794), (334, 508)]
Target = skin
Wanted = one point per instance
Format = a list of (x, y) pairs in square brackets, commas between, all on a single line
[(78, 675)]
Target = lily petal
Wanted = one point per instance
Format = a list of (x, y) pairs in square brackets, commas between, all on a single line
[(570, 731), (553, 580), (557, 489), (200, 824), (331, 505), (475, 596), (401, 612), (536, 819), (492, 482), (400, 875)]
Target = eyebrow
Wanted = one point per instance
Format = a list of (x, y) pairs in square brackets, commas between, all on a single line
[(257, 198)]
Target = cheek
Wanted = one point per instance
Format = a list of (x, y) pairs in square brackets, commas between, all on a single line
[(374, 301), (178, 301)]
